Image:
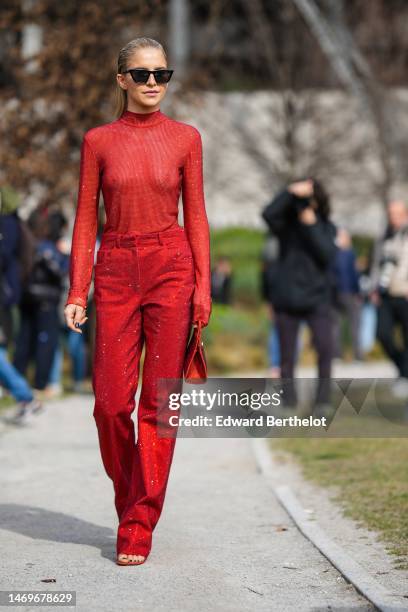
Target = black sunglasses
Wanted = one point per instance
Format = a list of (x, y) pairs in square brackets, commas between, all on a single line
[(141, 75)]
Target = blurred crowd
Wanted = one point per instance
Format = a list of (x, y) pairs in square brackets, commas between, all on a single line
[(34, 281)]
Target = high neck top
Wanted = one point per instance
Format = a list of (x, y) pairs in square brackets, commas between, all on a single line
[(142, 119), (141, 174)]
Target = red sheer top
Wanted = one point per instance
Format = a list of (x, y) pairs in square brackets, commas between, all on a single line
[(141, 162)]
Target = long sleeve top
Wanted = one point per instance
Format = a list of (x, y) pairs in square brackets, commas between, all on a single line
[(141, 162)]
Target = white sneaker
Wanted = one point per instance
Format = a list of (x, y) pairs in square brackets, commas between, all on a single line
[(400, 388), (25, 410)]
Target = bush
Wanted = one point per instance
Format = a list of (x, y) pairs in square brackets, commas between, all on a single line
[(243, 247)]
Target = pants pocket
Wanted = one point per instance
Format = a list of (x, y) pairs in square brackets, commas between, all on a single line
[(179, 249)]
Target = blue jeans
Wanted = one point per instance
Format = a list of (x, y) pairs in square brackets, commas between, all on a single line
[(55, 371), (273, 347), (368, 327), (12, 380), (76, 349)]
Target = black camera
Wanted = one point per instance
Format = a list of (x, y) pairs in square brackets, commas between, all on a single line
[(301, 203)]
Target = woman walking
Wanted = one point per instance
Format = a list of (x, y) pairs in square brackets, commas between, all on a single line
[(152, 280)]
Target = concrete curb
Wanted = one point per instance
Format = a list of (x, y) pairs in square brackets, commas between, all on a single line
[(372, 590)]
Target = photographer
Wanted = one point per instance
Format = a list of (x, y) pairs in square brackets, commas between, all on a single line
[(302, 285)]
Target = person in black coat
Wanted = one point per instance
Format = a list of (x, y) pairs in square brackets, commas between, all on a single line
[(302, 286)]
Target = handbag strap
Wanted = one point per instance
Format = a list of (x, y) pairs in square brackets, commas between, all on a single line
[(199, 328)]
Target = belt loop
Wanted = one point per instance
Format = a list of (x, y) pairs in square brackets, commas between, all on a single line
[(159, 236), (117, 241)]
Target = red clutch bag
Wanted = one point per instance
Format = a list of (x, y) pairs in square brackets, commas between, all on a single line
[(195, 363)]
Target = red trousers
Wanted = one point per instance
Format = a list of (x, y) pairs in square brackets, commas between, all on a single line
[(144, 286)]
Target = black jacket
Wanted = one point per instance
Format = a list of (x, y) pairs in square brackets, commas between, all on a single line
[(45, 282), (303, 278)]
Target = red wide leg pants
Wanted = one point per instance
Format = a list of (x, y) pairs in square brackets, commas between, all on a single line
[(144, 286)]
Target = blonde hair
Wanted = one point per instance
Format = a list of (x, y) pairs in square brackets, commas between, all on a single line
[(124, 56)]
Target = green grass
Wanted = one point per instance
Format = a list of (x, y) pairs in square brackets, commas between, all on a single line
[(236, 339), (243, 247), (371, 476)]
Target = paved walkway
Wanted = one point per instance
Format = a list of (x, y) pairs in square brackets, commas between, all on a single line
[(223, 542), (341, 369)]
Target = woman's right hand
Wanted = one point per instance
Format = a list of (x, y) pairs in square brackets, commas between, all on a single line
[(302, 189), (75, 314)]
